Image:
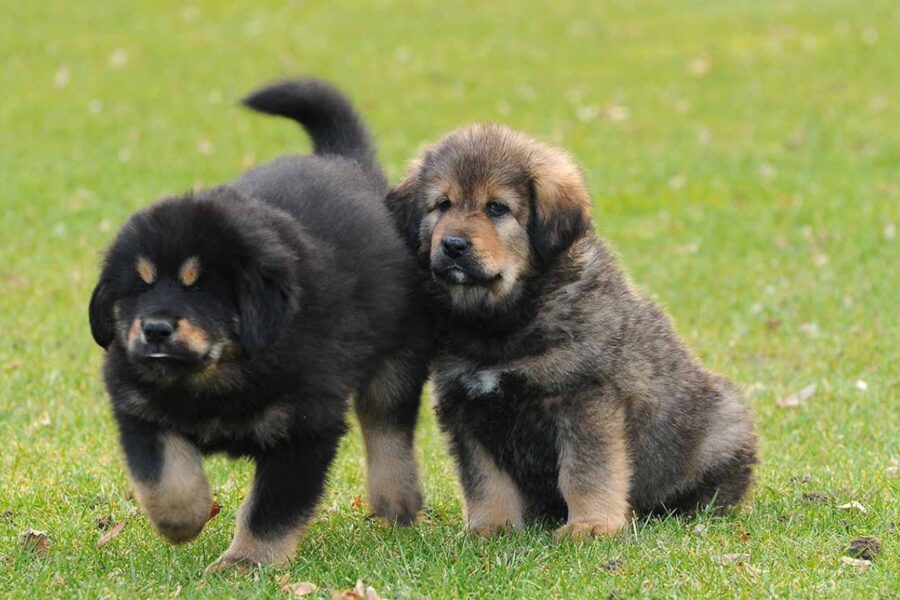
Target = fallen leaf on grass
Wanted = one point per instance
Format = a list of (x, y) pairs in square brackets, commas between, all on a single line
[(745, 536), (797, 398), (854, 505), (611, 565), (860, 563), (357, 502), (866, 547), (299, 589), (111, 534), (36, 541), (359, 592), (732, 559), (816, 497), (214, 510), (894, 469), (104, 523)]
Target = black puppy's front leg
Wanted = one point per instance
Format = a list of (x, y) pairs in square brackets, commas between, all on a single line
[(167, 477), (288, 484)]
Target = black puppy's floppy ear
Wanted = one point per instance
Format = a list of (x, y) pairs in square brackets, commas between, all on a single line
[(561, 206), (100, 314), (405, 207), (266, 299)]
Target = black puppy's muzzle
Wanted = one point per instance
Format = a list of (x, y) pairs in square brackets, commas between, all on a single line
[(157, 331)]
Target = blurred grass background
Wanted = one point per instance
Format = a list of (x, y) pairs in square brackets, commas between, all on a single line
[(744, 158)]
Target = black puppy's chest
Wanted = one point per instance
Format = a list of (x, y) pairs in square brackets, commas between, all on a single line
[(510, 420)]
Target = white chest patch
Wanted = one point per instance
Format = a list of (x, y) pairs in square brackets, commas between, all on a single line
[(482, 383)]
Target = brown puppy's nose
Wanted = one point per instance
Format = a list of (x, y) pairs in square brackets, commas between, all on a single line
[(157, 331), (455, 246)]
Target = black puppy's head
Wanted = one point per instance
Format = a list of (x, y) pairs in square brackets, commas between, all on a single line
[(487, 208), (194, 281)]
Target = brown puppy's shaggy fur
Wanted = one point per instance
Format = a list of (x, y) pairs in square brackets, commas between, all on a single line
[(564, 392)]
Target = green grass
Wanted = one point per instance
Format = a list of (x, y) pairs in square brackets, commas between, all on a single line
[(752, 188)]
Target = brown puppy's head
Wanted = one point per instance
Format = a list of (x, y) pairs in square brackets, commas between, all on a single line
[(488, 207), (192, 283)]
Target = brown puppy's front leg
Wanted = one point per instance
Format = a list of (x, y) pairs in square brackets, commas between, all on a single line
[(493, 501), (594, 469), (387, 406), (168, 478)]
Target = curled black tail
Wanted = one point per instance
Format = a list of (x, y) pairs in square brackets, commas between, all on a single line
[(325, 113)]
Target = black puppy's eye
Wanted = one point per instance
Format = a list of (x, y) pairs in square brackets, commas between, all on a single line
[(443, 204), (496, 209)]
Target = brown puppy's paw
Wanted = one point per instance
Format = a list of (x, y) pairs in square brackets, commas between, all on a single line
[(398, 506), (490, 530), (583, 530)]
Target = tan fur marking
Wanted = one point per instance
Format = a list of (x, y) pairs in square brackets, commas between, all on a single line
[(134, 333), (497, 506), (597, 499), (189, 272), (146, 270), (178, 504), (392, 474), (193, 337), (248, 550)]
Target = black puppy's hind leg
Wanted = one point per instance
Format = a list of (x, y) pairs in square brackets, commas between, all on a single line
[(287, 485), (387, 406), (167, 477)]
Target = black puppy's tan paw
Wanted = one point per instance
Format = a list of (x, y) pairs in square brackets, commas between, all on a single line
[(180, 532), (400, 506)]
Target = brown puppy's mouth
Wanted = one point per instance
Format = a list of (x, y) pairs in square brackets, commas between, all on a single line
[(456, 275)]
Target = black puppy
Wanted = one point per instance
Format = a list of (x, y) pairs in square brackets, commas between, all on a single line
[(241, 319)]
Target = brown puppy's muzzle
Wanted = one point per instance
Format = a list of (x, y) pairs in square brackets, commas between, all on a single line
[(455, 263)]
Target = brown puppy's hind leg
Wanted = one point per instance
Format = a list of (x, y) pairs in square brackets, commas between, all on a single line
[(595, 469)]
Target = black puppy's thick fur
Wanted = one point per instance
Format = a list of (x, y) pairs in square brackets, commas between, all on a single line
[(241, 319)]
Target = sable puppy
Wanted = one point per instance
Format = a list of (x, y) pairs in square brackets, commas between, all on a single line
[(241, 319), (564, 392)]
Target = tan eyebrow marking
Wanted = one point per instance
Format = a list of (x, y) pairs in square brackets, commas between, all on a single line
[(146, 270), (189, 271)]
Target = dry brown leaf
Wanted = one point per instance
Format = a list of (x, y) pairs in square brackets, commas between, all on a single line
[(860, 563), (854, 505), (797, 398), (866, 547), (357, 502), (299, 589), (745, 536), (359, 592), (732, 559), (111, 534), (36, 541), (214, 510)]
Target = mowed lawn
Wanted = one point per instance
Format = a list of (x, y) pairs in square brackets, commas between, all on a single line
[(744, 158)]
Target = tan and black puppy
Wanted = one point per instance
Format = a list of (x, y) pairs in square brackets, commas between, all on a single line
[(564, 392), (241, 319)]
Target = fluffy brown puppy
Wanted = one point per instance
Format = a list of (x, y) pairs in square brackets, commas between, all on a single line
[(564, 392)]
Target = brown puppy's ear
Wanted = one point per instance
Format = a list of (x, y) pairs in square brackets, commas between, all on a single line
[(561, 206), (405, 207), (100, 314)]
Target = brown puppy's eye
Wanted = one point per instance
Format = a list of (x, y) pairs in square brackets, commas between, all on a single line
[(443, 204), (496, 209)]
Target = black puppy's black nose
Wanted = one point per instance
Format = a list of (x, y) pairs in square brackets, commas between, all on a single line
[(157, 330), (455, 246)]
